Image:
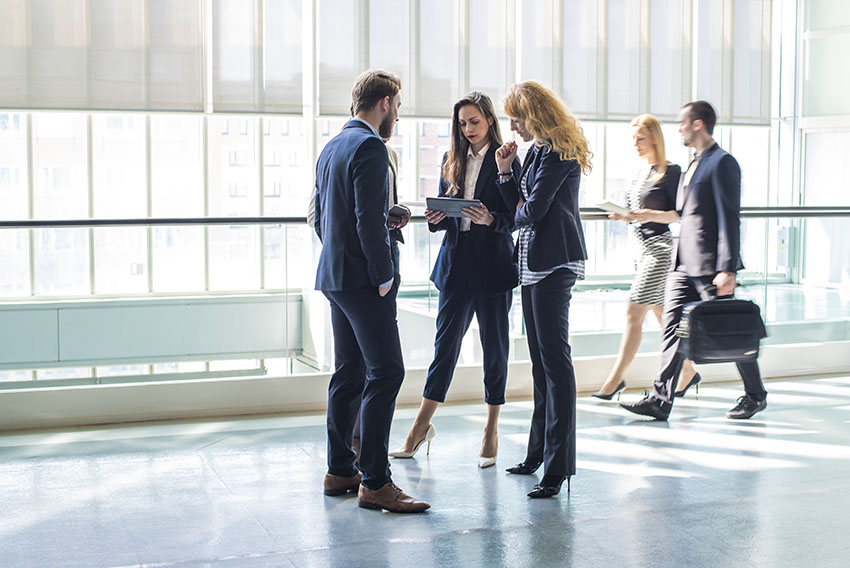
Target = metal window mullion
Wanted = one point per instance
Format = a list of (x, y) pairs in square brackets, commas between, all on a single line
[(206, 186), (90, 179), (149, 198), (30, 199), (260, 136)]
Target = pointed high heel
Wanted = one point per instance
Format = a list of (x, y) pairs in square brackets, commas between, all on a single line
[(693, 382), (429, 435), (620, 388), (488, 461), (524, 468), (541, 490)]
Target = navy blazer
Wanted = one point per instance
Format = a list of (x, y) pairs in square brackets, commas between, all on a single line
[(710, 217), (351, 211), (493, 246), (552, 209)]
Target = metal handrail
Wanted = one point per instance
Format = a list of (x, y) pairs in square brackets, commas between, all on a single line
[(587, 214)]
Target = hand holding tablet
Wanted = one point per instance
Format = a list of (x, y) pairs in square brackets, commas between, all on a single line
[(450, 206)]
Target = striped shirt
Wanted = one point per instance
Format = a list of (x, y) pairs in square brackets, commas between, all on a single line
[(526, 276)]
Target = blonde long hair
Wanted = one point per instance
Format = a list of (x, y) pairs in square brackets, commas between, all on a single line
[(454, 168), (549, 121), (652, 126)]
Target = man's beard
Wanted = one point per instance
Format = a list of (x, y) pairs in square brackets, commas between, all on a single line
[(385, 130)]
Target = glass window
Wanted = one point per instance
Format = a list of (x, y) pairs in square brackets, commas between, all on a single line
[(60, 166), (14, 191), (751, 147), (747, 59), (234, 257), (432, 147), (287, 182), (61, 259), (232, 161), (177, 177), (118, 166), (824, 87), (120, 260), (14, 258), (178, 259)]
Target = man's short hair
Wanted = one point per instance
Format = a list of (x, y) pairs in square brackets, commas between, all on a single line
[(372, 86), (701, 110)]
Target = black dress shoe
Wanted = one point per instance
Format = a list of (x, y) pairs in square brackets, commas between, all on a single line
[(617, 391), (695, 380), (746, 407), (649, 406), (524, 468), (548, 489)]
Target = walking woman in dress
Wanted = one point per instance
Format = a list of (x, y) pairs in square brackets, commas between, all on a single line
[(474, 272), (551, 254), (652, 200)]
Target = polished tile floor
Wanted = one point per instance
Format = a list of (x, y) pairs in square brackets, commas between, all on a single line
[(700, 490)]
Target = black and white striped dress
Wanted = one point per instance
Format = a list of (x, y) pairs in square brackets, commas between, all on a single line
[(652, 265)]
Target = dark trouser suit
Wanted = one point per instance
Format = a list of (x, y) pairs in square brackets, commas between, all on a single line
[(460, 298), (546, 309), (680, 290), (368, 376)]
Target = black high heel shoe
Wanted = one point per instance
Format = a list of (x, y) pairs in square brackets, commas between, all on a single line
[(693, 382), (524, 468), (620, 388), (546, 488)]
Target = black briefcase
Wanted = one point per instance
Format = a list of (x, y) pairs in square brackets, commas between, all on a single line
[(723, 330)]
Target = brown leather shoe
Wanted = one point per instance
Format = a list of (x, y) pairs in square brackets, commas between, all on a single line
[(391, 498), (340, 485)]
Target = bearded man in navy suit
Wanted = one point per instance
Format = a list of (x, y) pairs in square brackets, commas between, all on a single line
[(706, 257), (358, 273)]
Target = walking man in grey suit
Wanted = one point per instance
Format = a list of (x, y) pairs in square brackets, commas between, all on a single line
[(706, 258)]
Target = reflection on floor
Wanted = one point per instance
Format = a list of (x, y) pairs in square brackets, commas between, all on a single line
[(700, 490)]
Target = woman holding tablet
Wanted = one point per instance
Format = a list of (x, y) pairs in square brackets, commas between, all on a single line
[(652, 200), (474, 272), (551, 253)]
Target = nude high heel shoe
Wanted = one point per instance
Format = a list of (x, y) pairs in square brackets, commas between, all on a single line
[(484, 461), (429, 435)]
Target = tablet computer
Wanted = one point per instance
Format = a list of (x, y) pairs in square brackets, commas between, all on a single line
[(450, 206), (614, 208)]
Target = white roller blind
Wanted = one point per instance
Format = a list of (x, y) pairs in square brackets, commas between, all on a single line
[(101, 54), (257, 55)]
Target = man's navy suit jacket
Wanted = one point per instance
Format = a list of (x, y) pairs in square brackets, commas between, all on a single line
[(351, 211), (710, 217)]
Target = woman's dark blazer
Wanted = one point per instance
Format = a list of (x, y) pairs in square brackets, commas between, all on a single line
[(552, 209), (660, 196), (493, 246)]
